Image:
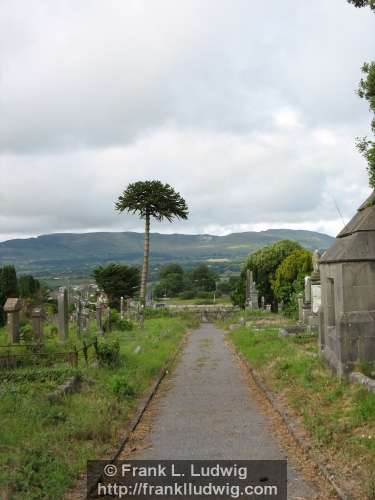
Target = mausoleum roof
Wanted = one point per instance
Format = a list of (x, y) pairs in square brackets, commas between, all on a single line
[(356, 242)]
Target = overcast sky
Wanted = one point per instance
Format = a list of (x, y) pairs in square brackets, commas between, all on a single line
[(247, 108)]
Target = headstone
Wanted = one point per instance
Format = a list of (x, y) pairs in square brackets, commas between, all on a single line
[(268, 307), (99, 317), (263, 302), (63, 315), (280, 306), (307, 289), (251, 292), (13, 307), (122, 308), (36, 322), (79, 317), (300, 308), (316, 290), (307, 300), (109, 319)]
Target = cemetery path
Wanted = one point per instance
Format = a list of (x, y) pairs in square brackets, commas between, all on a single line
[(207, 410)]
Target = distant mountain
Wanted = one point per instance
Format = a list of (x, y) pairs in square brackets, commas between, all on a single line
[(78, 253)]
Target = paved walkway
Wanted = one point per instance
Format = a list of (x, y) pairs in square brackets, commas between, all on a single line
[(208, 412)]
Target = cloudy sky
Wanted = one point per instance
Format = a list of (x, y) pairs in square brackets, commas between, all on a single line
[(247, 108)]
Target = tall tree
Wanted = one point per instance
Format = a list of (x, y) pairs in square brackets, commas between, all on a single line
[(203, 278), (151, 199), (289, 278), (28, 286)]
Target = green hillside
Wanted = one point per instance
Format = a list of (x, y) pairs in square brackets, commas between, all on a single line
[(77, 254)]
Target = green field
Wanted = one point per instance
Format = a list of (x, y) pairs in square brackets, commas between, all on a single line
[(44, 445)]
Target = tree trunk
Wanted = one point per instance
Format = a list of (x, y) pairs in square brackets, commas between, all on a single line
[(146, 252)]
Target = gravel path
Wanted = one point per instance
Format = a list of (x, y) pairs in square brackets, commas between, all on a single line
[(208, 412)]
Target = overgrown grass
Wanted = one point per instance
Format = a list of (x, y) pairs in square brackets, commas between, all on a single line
[(340, 417), (44, 445)]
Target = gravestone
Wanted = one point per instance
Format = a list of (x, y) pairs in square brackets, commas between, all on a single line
[(251, 292), (347, 270), (63, 315), (300, 307), (122, 308), (306, 308), (316, 292), (109, 319), (79, 316), (263, 302), (99, 317), (13, 307), (37, 324)]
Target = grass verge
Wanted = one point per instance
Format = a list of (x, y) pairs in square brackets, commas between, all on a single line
[(339, 417)]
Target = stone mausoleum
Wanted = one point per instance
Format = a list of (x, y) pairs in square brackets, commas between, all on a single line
[(347, 272)]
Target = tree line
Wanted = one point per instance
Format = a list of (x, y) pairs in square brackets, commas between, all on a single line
[(120, 280)]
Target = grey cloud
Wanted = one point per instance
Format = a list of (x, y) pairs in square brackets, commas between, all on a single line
[(107, 73), (247, 108)]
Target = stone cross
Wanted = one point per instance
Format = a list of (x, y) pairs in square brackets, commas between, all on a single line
[(251, 291), (63, 315), (36, 321), (13, 307)]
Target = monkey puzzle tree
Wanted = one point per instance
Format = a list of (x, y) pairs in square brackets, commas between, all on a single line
[(363, 3), (151, 199)]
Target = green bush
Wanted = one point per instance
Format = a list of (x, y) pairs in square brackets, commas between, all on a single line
[(108, 352), (121, 386), (26, 333), (124, 325)]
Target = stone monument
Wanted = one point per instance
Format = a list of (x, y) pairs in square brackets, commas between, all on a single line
[(316, 293), (13, 307), (122, 308), (347, 271), (99, 317), (63, 315), (36, 322), (306, 306), (251, 292)]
